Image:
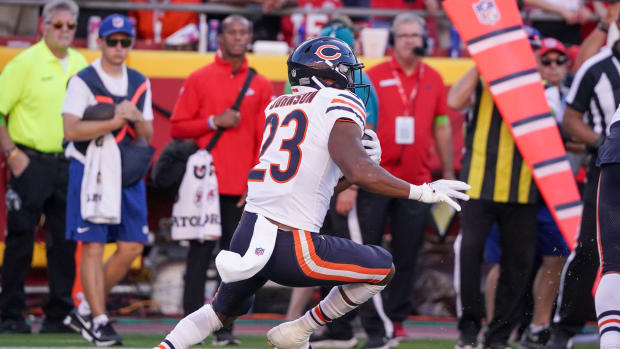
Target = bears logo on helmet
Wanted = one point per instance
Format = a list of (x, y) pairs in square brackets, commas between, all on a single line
[(319, 52)]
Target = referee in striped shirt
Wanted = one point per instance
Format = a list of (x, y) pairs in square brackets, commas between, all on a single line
[(503, 192)]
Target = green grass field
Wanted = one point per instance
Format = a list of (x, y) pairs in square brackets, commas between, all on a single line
[(150, 340)]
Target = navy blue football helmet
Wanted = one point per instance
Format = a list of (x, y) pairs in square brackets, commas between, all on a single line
[(328, 60)]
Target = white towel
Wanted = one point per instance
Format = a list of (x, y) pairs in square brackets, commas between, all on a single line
[(233, 267), (101, 184), (196, 213)]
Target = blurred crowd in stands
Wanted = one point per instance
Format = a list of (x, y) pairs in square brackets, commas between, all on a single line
[(570, 21)]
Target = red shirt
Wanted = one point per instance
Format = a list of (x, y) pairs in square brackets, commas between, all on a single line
[(410, 162), (209, 91), (171, 21)]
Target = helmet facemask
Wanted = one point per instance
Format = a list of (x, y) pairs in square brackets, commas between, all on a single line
[(341, 76)]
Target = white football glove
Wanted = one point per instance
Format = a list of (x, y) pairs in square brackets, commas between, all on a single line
[(442, 190), (372, 145)]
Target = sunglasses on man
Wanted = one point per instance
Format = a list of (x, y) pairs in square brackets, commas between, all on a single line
[(560, 61), (59, 24), (125, 43)]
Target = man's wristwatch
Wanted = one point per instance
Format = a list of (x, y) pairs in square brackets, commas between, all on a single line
[(10, 153), (602, 26)]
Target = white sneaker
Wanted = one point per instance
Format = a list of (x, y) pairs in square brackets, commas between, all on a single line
[(289, 335)]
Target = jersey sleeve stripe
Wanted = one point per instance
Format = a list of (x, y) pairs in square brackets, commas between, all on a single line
[(361, 111), (347, 109), (354, 99)]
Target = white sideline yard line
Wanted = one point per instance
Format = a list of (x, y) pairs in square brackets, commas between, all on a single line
[(93, 347)]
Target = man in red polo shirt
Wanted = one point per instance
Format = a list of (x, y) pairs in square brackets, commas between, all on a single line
[(412, 113), (203, 107)]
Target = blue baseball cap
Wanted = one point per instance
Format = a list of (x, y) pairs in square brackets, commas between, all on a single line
[(116, 23), (534, 37)]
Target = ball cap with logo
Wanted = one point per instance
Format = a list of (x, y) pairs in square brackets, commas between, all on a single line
[(116, 23), (551, 44)]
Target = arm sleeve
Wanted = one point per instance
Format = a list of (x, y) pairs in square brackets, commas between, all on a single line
[(345, 106), (77, 98), (11, 84), (147, 113), (185, 121), (581, 90)]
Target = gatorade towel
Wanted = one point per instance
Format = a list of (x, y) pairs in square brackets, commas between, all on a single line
[(493, 32)]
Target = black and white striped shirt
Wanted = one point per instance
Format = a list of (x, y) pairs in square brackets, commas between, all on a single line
[(595, 92)]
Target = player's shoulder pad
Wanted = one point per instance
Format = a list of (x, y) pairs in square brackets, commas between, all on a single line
[(345, 103), (335, 95)]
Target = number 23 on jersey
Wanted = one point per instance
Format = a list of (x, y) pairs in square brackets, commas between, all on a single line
[(290, 145)]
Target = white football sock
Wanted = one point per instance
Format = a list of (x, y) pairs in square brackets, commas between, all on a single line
[(192, 329), (84, 309), (537, 328), (607, 302), (334, 305), (100, 320)]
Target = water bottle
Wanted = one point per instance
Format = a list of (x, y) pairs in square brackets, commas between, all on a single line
[(202, 30), (298, 22), (93, 32), (455, 43), (214, 26), (13, 201), (301, 34)]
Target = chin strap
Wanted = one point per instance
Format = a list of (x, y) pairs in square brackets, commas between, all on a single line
[(318, 82)]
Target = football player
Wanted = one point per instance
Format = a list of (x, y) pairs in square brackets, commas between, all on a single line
[(607, 298), (312, 146)]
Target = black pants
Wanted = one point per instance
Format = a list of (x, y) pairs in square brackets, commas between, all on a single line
[(575, 304), (407, 221), (517, 239), (42, 189), (201, 254)]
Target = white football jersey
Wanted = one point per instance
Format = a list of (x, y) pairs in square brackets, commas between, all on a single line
[(295, 177)]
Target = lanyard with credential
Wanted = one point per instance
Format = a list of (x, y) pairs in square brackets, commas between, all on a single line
[(414, 91)]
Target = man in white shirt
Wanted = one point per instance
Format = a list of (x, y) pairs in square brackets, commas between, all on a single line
[(106, 80)]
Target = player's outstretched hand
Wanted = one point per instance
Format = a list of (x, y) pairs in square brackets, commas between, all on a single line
[(444, 190), (371, 144)]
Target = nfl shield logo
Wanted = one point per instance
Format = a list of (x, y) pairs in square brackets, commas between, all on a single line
[(487, 12), (198, 198), (117, 22), (259, 251)]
